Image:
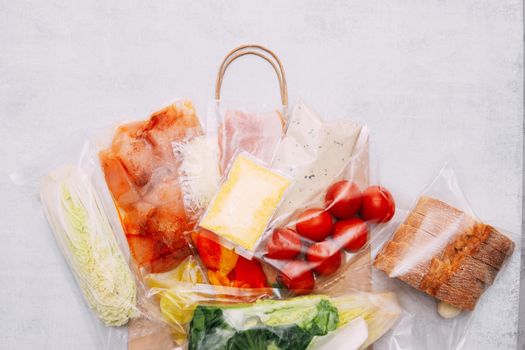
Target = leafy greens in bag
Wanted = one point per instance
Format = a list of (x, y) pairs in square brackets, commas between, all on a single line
[(288, 324), (82, 230)]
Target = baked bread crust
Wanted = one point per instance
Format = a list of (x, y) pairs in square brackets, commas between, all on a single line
[(445, 253)]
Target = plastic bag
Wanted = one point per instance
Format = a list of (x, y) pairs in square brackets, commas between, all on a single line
[(320, 155), (82, 230), (208, 317), (81, 214), (441, 259), (257, 131), (199, 174), (248, 197), (142, 173)]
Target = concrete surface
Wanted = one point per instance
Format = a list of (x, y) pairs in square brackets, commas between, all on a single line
[(432, 79)]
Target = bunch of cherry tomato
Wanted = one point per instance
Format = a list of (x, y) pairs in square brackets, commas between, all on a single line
[(323, 233)]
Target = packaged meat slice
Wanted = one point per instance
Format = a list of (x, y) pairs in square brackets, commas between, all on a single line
[(256, 133), (141, 172)]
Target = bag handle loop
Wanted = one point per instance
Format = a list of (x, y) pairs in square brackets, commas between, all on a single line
[(262, 52)]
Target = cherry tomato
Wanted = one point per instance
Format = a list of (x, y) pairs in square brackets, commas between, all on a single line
[(314, 224), (285, 243), (378, 204), (343, 199), (350, 234), (297, 276), (325, 256)]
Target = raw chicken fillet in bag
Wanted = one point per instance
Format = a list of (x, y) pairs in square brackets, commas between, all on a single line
[(141, 171)]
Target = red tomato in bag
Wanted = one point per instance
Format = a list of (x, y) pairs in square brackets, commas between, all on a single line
[(314, 224), (350, 234), (378, 204), (343, 199), (285, 243), (297, 276), (325, 256)]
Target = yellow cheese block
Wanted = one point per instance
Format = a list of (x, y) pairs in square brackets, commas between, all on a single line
[(245, 202)]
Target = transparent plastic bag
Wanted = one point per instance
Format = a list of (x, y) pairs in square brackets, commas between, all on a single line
[(202, 316), (82, 230), (85, 225), (141, 171), (320, 156), (440, 260), (256, 131), (199, 175), (248, 197)]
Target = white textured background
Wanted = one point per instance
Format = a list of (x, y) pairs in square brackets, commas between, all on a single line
[(431, 78)]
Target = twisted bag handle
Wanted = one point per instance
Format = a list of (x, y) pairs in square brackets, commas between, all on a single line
[(263, 53)]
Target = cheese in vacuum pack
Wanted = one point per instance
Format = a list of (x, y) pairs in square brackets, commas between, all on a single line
[(314, 153), (245, 202)]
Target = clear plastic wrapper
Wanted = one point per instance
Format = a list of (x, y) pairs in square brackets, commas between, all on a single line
[(439, 259), (318, 238), (143, 175), (247, 198), (214, 317), (85, 225), (199, 171), (82, 230), (141, 171), (256, 131)]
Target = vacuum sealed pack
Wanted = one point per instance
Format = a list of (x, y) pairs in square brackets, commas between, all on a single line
[(216, 317), (85, 226), (440, 259), (142, 173)]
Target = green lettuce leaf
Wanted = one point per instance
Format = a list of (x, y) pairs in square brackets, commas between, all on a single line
[(261, 326)]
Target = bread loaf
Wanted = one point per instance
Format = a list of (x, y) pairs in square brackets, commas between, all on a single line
[(445, 253)]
